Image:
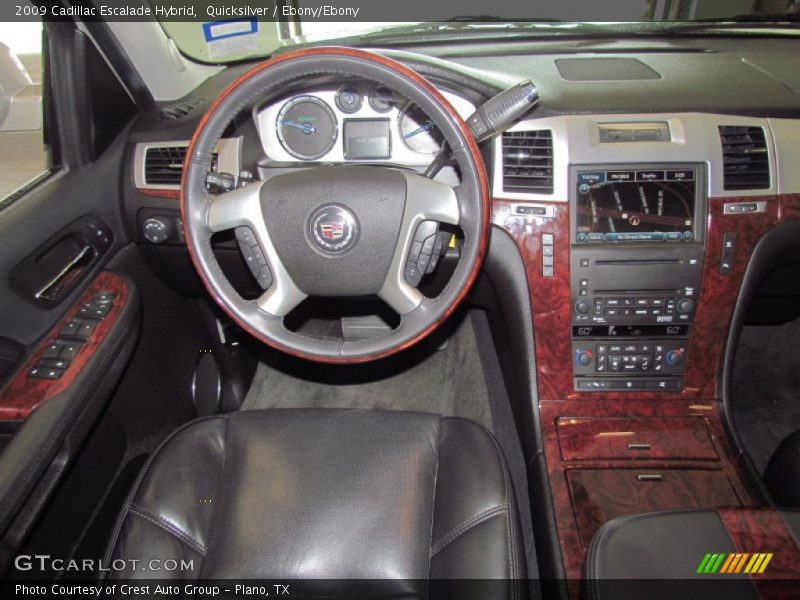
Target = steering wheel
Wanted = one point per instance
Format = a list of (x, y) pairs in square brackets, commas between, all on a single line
[(335, 230)]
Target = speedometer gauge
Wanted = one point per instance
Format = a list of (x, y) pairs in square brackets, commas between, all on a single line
[(418, 132), (306, 127)]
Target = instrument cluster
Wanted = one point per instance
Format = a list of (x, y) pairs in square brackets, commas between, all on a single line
[(353, 122)]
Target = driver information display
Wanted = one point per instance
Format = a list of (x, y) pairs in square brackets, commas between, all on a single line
[(635, 205)]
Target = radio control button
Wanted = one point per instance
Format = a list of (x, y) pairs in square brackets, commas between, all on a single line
[(685, 305), (582, 307)]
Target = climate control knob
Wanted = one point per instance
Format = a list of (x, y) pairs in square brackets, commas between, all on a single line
[(675, 357), (583, 357), (582, 307), (685, 305)]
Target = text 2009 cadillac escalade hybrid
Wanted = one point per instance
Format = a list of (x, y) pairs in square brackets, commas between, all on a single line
[(300, 300)]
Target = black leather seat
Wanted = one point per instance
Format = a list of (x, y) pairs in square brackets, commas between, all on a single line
[(782, 476), (327, 494)]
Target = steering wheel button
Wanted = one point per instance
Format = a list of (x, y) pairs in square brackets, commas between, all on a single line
[(432, 265), (427, 245), (416, 249), (247, 253), (438, 246), (425, 230), (413, 275), (245, 235), (258, 255), (423, 262), (264, 277)]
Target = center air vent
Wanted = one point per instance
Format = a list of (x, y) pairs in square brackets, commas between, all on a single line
[(164, 165), (528, 162), (176, 111), (744, 157)]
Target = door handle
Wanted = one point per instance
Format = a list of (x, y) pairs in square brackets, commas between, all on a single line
[(52, 289)]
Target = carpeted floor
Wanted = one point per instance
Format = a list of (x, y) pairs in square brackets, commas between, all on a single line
[(766, 388), (447, 382)]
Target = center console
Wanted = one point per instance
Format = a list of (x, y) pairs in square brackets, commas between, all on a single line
[(636, 256)]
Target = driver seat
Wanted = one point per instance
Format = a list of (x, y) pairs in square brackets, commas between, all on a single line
[(398, 498)]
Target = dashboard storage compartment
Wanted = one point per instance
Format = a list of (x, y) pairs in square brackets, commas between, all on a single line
[(682, 438), (599, 495)]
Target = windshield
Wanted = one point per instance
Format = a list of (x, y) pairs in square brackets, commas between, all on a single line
[(227, 32)]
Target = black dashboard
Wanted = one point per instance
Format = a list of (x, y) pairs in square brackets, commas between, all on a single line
[(585, 85)]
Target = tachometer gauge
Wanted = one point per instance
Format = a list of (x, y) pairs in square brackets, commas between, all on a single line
[(418, 131), (307, 127), (349, 98)]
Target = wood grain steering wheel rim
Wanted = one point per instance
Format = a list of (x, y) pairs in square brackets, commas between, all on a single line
[(204, 214)]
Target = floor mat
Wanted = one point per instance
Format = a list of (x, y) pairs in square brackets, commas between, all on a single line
[(154, 396), (449, 382), (765, 398)]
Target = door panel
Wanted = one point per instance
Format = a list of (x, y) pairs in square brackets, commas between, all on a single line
[(36, 220)]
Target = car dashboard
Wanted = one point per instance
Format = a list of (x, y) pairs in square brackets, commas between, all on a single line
[(635, 207)]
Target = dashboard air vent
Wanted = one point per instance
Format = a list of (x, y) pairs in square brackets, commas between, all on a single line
[(528, 162), (164, 166), (744, 157), (176, 111)]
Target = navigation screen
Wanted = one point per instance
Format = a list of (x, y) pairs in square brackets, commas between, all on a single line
[(635, 205)]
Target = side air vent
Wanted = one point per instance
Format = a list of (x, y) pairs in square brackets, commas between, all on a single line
[(164, 166), (744, 157), (528, 162), (176, 111)]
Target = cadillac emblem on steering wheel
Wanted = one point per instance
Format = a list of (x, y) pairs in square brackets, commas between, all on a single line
[(332, 229)]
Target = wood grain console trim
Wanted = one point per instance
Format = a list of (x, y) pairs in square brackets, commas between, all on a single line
[(551, 310), (160, 193), (551, 303), (20, 397), (765, 531), (571, 520)]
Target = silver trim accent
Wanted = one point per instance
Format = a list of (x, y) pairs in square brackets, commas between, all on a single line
[(242, 207), (549, 211), (266, 119), (228, 160), (426, 200), (728, 208), (786, 149), (638, 446), (695, 138)]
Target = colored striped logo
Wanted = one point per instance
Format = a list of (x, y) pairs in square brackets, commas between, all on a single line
[(732, 563)]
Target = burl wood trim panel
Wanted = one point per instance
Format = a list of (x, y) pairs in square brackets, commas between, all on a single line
[(23, 394)]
